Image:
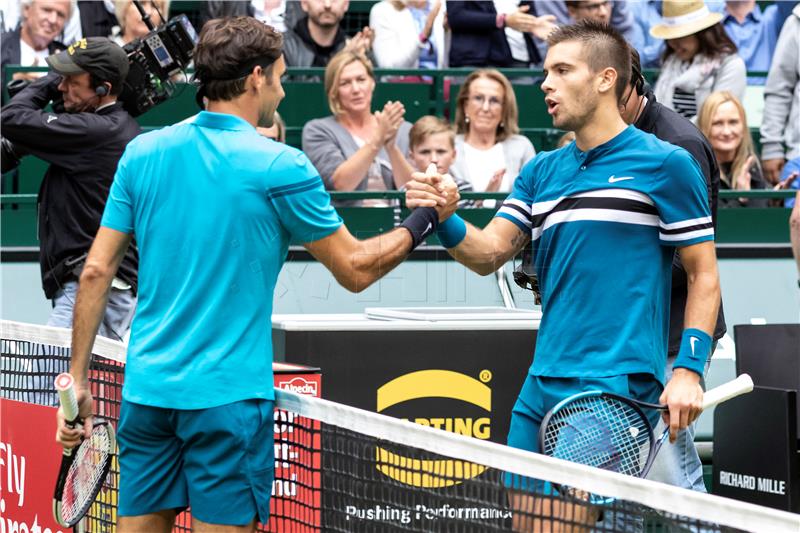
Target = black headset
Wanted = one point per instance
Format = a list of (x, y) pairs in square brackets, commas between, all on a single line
[(101, 90), (639, 83)]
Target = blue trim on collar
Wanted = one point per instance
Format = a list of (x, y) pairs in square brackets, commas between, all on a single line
[(222, 121)]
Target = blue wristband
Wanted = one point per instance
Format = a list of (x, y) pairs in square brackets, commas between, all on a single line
[(452, 231), (695, 350)]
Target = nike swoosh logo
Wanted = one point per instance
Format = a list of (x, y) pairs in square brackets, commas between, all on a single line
[(613, 179), (427, 229), (51, 118), (692, 341)]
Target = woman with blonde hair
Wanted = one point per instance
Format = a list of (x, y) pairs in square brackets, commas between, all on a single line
[(357, 149), (722, 120), (131, 25), (490, 150)]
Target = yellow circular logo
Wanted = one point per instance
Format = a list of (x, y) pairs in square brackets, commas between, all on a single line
[(436, 473)]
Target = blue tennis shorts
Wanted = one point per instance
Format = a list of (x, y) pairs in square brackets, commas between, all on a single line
[(220, 460), (539, 394)]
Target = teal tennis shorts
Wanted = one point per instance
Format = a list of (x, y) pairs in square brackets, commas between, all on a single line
[(220, 461), (539, 394)]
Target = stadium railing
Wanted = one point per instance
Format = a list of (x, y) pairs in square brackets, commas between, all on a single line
[(739, 225)]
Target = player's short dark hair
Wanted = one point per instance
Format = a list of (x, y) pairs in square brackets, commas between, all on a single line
[(603, 47), (226, 47)]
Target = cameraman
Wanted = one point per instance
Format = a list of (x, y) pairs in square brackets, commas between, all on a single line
[(83, 145)]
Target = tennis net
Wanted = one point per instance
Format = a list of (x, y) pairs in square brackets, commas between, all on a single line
[(339, 468)]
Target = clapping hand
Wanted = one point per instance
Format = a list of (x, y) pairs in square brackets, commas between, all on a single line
[(496, 180), (361, 42), (389, 121), (523, 21)]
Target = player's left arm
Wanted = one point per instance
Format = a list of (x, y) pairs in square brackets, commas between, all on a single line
[(683, 393), (685, 222), (702, 301)]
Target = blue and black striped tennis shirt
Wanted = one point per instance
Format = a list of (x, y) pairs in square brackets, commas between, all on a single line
[(604, 225)]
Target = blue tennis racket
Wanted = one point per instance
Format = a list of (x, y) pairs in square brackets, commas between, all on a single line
[(613, 432)]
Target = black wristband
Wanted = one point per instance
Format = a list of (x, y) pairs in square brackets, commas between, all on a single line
[(420, 224)]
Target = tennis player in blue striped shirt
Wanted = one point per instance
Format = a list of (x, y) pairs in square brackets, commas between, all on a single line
[(603, 215)]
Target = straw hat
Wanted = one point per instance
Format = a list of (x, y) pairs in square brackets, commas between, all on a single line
[(682, 18)]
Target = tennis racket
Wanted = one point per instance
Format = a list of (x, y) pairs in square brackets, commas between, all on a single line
[(612, 432), (83, 468)]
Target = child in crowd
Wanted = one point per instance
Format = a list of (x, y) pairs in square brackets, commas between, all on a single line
[(433, 140)]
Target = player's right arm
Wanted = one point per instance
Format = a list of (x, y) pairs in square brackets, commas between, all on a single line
[(357, 264), (485, 250), (304, 209)]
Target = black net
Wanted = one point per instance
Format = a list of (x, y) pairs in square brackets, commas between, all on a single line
[(340, 477)]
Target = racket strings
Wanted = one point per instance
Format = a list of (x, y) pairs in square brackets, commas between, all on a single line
[(86, 472), (600, 432)]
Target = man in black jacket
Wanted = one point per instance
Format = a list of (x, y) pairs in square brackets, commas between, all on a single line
[(678, 463), (83, 146), (484, 37)]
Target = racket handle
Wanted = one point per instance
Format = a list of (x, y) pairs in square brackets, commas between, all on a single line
[(65, 385), (741, 385)]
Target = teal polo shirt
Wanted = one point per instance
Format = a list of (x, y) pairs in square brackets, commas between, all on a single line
[(213, 206), (604, 226)]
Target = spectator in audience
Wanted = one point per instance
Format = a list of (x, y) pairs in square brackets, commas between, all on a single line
[(565, 139), (83, 146), (781, 122), (619, 14), (276, 132), (496, 34), (9, 15), (280, 14), (90, 18), (794, 233), (97, 19), (723, 121), (647, 14), (755, 33), (433, 140), (318, 36), (408, 34), (356, 149), (699, 59), (490, 150), (790, 179), (680, 463), (35, 38), (596, 10), (131, 25)]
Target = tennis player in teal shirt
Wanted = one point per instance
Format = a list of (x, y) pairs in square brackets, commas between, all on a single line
[(603, 215), (213, 206)]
